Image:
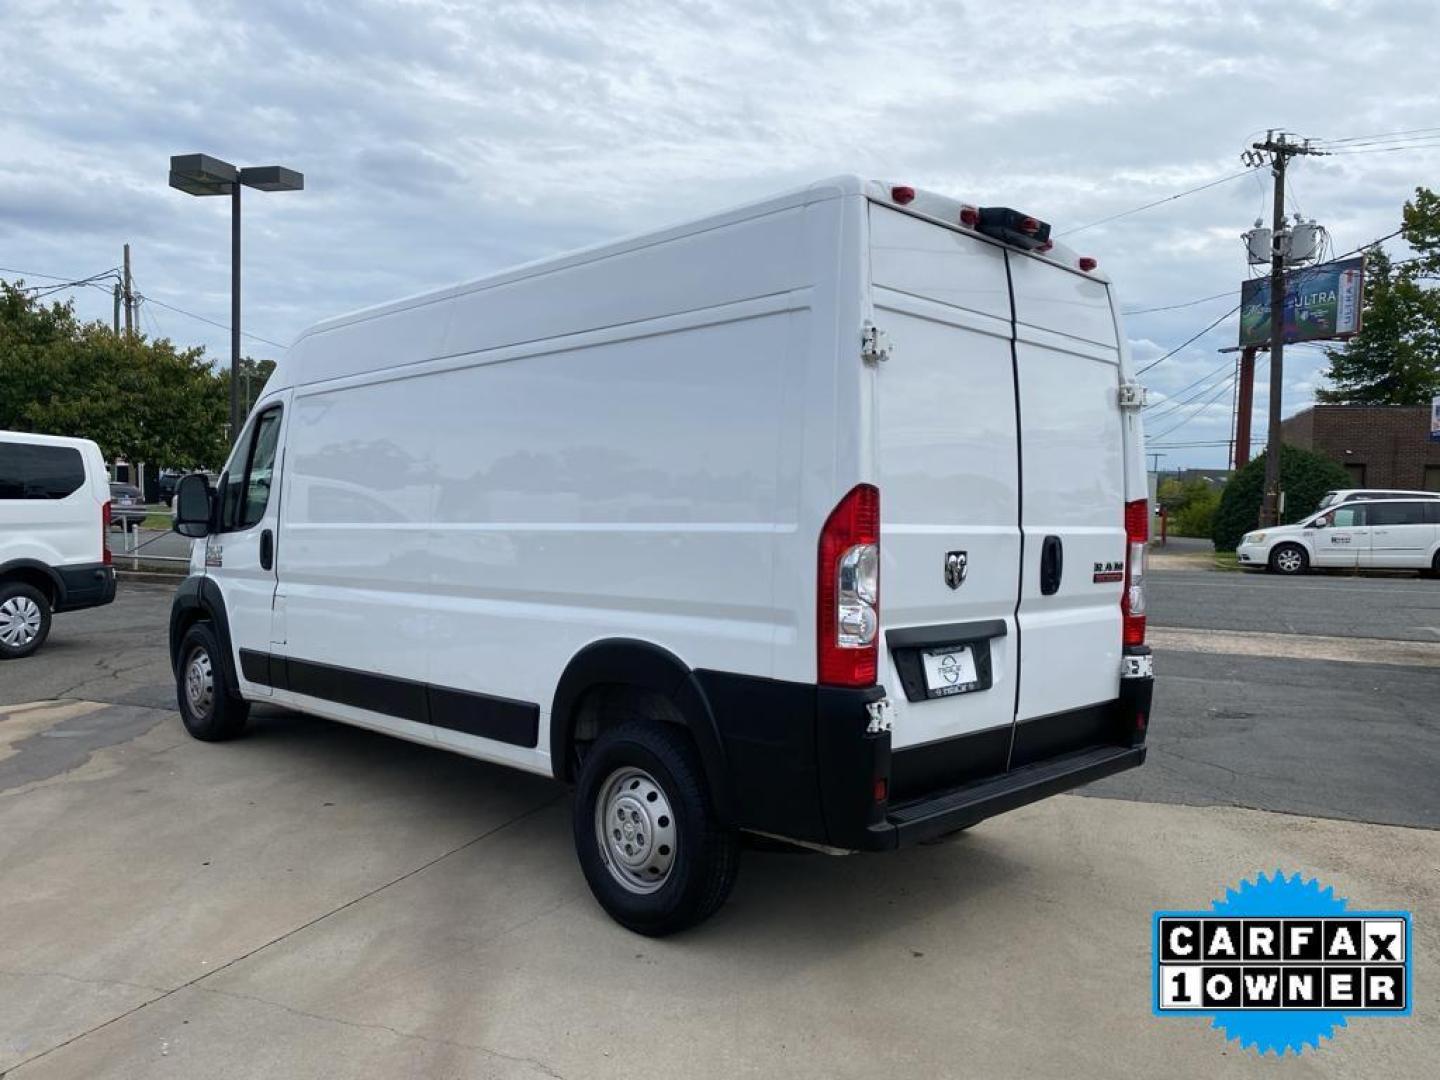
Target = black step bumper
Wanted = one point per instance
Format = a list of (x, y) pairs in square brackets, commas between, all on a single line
[(946, 811), (85, 586)]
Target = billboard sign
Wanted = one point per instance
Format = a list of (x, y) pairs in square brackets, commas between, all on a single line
[(1320, 302)]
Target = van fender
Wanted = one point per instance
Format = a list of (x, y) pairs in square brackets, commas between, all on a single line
[(198, 598), (34, 567), (622, 661)]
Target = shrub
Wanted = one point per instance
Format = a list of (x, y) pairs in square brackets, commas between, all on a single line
[(1197, 516), (1304, 477)]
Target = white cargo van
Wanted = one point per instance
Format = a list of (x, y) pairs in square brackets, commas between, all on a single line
[(54, 535), (822, 518)]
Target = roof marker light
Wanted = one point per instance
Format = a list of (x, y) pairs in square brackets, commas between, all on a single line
[(969, 216), (1087, 263), (1028, 225), (902, 194)]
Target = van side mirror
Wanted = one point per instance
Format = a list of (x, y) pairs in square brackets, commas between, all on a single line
[(194, 505), (1320, 522)]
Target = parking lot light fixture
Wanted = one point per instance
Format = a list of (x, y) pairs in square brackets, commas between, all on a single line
[(201, 174)]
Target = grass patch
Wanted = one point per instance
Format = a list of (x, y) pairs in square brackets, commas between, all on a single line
[(1227, 560), (157, 521)]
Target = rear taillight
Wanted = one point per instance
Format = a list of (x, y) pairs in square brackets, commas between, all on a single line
[(848, 596), (1132, 602), (105, 555)]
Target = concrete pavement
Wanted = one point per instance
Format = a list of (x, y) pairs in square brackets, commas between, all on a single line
[(320, 901)]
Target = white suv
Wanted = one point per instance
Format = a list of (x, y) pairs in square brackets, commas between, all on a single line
[(1378, 534), (54, 530)]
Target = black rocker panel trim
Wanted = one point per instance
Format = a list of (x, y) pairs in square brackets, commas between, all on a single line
[(485, 715)]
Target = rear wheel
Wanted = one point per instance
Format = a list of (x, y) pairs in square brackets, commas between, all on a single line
[(24, 619), (652, 849), (209, 710), (1289, 559)]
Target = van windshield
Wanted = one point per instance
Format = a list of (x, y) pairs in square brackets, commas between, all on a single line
[(1326, 500)]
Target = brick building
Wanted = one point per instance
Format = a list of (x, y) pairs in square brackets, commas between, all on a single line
[(1384, 446)]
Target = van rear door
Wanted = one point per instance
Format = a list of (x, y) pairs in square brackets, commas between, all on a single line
[(947, 460), (1072, 454)]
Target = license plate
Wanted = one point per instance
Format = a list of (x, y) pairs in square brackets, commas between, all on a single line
[(950, 671)]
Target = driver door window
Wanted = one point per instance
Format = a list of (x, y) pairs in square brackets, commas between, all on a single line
[(1343, 540), (247, 490)]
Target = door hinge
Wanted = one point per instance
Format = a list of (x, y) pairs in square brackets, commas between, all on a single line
[(1132, 395), (874, 344)]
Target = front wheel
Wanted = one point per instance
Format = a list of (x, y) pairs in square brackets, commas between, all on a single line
[(24, 620), (1289, 559), (208, 709), (652, 849)]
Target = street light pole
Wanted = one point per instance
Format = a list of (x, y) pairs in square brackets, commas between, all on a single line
[(234, 313), (200, 174)]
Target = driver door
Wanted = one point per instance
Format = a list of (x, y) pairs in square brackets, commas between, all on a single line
[(1346, 535), (241, 554)]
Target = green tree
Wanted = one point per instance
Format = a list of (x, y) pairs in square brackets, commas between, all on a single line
[(1395, 358), (254, 374), (140, 400), (1304, 477)]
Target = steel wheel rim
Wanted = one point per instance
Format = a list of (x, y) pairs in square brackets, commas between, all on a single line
[(199, 682), (20, 619), (635, 830), (1289, 561)]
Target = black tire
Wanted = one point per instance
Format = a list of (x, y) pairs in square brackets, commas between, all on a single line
[(705, 855), (1283, 560), (24, 619), (220, 714)]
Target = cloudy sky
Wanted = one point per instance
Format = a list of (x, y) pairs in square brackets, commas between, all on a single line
[(444, 140)]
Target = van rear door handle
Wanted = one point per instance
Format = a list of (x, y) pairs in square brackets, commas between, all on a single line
[(1052, 565), (267, 549)]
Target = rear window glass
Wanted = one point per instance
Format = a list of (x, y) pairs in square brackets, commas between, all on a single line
[(31, 471), (1406, 513)]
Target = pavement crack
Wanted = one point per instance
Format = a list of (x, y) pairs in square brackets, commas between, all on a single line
[(517, 819), (362, 1026)]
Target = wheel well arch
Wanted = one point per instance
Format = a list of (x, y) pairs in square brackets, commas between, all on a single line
[(36, 574), (621, 675), (199, 599)]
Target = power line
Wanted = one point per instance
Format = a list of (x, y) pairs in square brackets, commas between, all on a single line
[(1378, 135), (212, 322), (1190, 341), (1223, 388), (1157, 202), (1172, 402), (1177, 307)]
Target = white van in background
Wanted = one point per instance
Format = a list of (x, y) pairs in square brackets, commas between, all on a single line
[(822, 518), (54, 535)]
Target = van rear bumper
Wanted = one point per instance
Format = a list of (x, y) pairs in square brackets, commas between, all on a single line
[(85, 586), (802, 763)]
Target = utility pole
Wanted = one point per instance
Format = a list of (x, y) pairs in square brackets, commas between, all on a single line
[(1244, 405), (1281, 150), (117, 309), (129, 294)]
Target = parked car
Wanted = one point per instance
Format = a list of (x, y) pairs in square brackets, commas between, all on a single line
[(127, 506), (1388, 534), (727, 525), (1335, 498), (54, 535), (165, 485)]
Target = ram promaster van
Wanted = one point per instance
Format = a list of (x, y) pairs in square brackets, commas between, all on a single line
[(822, 518)]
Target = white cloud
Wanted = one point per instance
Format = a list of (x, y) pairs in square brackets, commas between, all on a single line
[(442, 140)]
